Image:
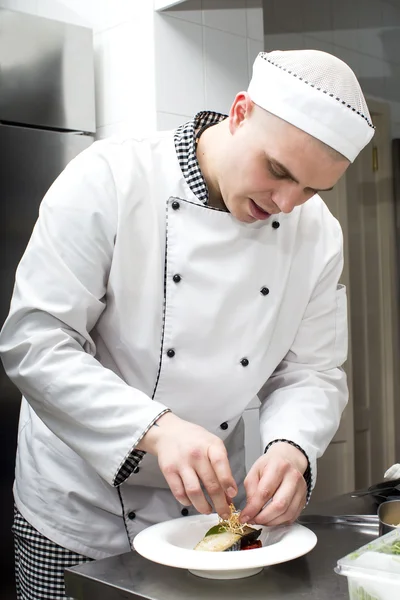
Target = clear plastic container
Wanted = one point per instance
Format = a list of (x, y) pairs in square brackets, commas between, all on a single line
[(373, 571)]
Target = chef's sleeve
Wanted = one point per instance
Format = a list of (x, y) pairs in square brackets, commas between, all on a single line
[(302, 402), (60, 294)]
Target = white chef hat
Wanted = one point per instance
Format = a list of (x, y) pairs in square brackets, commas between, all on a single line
[(316, 92)]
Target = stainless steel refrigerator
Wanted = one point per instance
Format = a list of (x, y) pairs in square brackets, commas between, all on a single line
[(47, 117)]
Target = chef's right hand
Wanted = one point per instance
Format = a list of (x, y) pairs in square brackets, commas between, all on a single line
[(189, 456)]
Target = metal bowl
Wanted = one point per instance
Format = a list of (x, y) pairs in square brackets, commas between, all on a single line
[(389, 516)]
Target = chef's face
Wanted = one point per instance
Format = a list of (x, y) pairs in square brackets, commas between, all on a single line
[(270, 166)]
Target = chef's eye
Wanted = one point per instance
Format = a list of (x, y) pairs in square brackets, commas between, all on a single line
[(275, 173)]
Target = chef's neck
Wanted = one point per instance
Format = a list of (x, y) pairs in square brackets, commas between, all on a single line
[(209, 150)]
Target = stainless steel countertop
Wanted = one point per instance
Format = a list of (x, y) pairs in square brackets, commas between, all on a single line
[(129, 576)]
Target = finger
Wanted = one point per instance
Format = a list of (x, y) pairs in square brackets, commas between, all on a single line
[(287, 501), (177, 488), (288, 518), (251, 482), (218, 458), (194, 492), (265, 490), (216, 493)]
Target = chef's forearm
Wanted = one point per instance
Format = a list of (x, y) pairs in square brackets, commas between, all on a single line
[(300, 458), (148, 442), (137, 452), (305, 407), (87, 406)]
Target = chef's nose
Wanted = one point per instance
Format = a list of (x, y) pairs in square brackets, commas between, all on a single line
[(287, 197)]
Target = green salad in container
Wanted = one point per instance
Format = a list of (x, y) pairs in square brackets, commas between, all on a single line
[(373, 571)]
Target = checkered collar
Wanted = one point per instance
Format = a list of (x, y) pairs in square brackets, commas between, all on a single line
[(185, 145)]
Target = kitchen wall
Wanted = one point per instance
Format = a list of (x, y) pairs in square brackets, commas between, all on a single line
[(204, 54), (363, 33), (158, 69), (123, 32)]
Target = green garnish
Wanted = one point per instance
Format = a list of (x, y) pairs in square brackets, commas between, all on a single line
[(216, 529), (359, 593), (363, 595), (390, 548)]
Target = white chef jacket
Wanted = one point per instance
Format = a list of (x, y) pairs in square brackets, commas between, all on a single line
[(101, 338)]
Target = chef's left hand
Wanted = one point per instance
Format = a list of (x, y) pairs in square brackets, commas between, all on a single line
[(278, 474)]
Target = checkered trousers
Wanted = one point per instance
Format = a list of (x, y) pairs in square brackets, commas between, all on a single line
[(40, 563)]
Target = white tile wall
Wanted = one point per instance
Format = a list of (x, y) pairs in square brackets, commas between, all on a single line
[(284, 17), (166, 121), (317, 19), (26, 6), (345, 15), (179, 65), (98, 14), (317, 44), (255, 26), (254, 47), (346, 38), (370, 14), (370, 42), (204, 54), (125, 68), (363, 33), (317, 15), (125, 86), (113, 87), (69, 11), (351, 57), (222, 81), (390, 14), (191, 11), (287, 41), (231, 19)]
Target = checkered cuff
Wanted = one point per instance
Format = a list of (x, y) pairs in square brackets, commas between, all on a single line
[(131, 463), (307, 473)]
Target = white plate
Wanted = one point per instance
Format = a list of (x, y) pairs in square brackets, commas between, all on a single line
[(171, 543)]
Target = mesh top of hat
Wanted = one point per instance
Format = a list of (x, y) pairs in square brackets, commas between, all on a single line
[(324, 72)]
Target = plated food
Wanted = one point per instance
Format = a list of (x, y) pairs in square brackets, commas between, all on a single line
[(229, 535), (173, 543)]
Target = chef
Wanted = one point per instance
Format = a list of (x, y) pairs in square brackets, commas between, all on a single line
[(169, 280)]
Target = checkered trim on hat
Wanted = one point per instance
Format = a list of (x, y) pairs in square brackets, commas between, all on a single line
[(264, 55)]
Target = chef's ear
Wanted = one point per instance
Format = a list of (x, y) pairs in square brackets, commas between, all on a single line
[(240, 111)]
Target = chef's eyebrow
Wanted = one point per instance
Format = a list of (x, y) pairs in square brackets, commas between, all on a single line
[(288, 174)]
